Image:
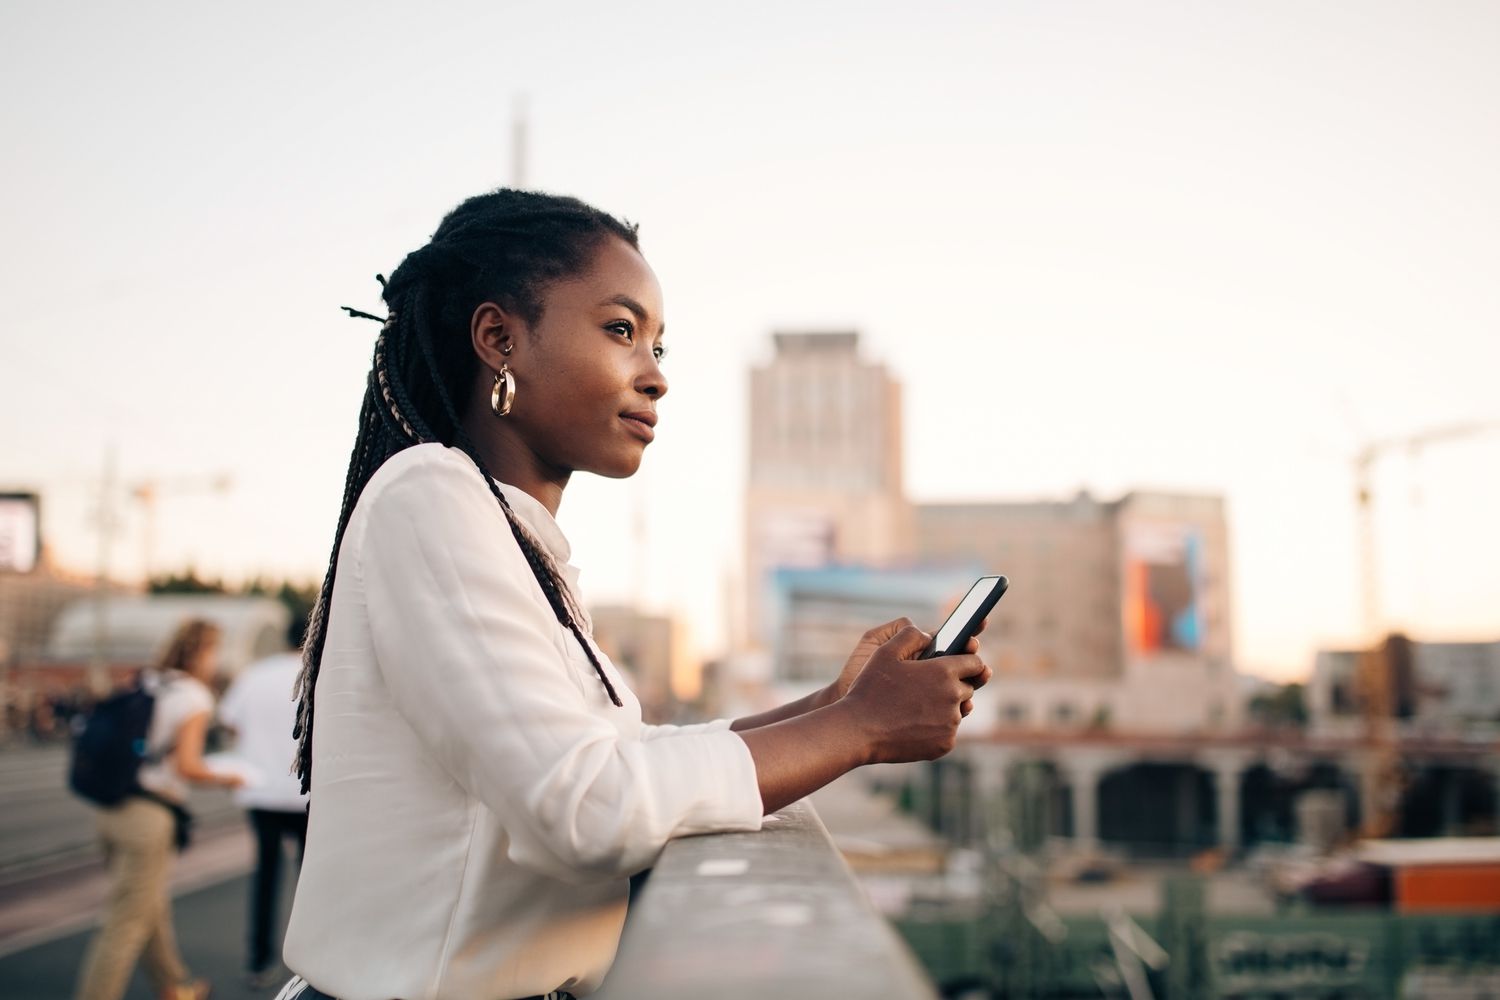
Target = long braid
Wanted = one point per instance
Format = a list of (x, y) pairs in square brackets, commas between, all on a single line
[(395, 412), (504, 246), (317, 630)]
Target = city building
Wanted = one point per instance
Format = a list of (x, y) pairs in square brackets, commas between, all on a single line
[(652, 651), (1110, 605), (30, 603), (1433, 688), (825, 477)]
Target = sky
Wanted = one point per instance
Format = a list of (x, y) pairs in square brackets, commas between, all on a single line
[(1194, 246)]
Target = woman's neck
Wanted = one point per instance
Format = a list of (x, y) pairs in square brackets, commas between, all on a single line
[(509, 460)]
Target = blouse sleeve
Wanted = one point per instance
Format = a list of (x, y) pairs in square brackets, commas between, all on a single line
[(657, 732), (470, 653)]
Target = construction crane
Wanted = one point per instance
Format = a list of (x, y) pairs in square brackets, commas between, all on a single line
[(147, 492), (1385, 666), (1364, 462)]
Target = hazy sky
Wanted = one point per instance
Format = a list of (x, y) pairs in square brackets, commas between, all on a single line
[(1197, 246)]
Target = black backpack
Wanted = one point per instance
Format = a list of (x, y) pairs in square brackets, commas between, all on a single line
[(110, 749)]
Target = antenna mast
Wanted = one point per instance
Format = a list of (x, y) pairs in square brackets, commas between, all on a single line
[(518, 150)]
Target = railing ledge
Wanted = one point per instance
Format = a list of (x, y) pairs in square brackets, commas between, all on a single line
[(755, 915)]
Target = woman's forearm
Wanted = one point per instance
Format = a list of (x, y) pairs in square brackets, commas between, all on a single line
[(800, 754), (187, 758), (897, 708), (202, 775), (821, 698)]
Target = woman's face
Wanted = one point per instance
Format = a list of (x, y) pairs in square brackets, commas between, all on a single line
[(588, 375)]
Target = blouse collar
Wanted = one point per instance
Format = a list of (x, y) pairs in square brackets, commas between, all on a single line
[(530, 512)]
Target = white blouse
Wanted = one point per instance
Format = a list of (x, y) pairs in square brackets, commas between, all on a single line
[(478, 803)]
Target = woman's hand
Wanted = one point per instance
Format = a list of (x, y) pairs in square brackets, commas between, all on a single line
[(909, 709), (863, 650), (895, 708), (873, 640)]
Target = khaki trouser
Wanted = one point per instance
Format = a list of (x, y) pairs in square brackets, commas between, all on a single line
[(138, 838)]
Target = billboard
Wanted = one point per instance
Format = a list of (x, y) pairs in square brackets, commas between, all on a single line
[(20, 532), (1163, 588)]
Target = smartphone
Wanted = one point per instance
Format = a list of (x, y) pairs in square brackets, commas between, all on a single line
[(960, 627)]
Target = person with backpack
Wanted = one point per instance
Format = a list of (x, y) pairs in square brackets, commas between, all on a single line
[(140, 829)]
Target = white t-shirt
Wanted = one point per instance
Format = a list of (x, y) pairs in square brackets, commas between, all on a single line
[(179, 697), (259, 706), (478, 803)]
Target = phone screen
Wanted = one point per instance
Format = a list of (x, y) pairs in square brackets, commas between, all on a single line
[(971, 603)]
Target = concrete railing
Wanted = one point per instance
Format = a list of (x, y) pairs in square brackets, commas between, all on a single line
[(775, 914)]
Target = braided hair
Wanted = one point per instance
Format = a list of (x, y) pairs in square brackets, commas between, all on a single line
[(505, 247)]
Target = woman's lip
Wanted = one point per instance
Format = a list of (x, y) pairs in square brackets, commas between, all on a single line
[(640, 428)]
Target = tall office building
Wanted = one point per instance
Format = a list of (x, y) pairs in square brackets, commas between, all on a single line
[(825, 482)]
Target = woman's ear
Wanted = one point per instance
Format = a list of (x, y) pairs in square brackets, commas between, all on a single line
[(493, 332)]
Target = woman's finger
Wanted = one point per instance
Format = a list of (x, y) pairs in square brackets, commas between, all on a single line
[(973, 644)]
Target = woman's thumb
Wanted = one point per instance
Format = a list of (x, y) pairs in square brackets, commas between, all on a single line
[(909, 643)]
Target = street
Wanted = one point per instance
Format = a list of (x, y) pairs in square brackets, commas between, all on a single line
[(43, 825), (210, 932), (52, 885)]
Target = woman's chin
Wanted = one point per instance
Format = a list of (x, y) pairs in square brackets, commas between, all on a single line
[(619, 466)]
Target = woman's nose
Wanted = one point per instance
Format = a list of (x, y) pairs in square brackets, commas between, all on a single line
[(653, 383)]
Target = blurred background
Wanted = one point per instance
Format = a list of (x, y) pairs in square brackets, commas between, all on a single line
[(1181, 315)]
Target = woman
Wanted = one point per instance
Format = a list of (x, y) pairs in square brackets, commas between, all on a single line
[(139, 835), (482, 784)]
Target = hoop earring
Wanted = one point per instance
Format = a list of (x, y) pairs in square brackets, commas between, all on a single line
[(503, 395)]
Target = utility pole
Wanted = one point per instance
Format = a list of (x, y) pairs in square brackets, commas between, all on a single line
[(98, 671)]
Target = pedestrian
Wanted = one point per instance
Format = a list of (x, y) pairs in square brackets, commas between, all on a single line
[(139, 835), (260, 709), (482, 783)]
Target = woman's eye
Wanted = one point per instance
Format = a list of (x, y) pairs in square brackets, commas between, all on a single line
[(659, 351), (623, 328)]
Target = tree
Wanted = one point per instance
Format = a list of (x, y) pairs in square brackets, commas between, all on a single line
[(1281, 707), (186, 582)]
